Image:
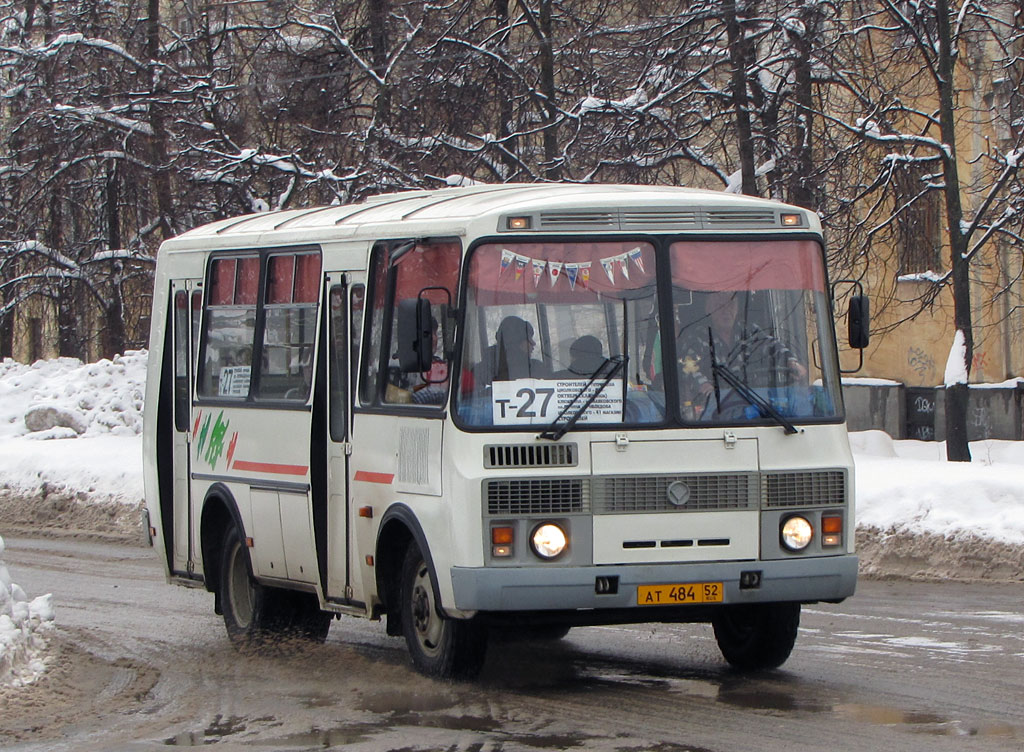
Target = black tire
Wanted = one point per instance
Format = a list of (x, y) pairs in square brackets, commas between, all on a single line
[(256, 616), (757, 637), (440, 647)]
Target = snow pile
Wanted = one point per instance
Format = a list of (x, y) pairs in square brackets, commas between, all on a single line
[(24, 625), (908, 487), (65, 398)]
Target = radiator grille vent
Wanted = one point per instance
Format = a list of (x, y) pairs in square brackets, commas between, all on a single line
[(645, 493), (826, 487), (530, 455), (537, 496)]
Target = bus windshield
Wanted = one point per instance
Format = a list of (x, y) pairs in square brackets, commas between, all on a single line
[(560, 331)]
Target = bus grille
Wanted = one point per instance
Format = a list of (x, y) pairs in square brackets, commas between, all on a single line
[(537, 496), (645, 493), (823, 487), (530, 455)]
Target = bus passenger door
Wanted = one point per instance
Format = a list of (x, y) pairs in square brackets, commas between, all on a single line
[(187, 303), (342, 340)]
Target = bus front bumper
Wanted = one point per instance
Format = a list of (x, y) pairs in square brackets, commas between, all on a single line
[(540, 588)]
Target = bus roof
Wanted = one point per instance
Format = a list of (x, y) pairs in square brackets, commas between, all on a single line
[(483, 209)]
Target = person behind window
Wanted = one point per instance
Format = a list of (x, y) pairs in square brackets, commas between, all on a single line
[(509, 358), (753, 354), (586, 355), (434, 383)]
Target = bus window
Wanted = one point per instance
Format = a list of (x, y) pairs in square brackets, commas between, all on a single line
[(286, 371), (181, 356), (404, 272), (230, 327), (544, 321), (339, 367), (369, 384), (429, 271)]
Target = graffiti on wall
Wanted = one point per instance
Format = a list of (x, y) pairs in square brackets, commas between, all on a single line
[(920, 362)]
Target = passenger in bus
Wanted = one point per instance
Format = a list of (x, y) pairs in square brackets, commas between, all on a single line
[(509, 358), (757, 357), (586, 355)]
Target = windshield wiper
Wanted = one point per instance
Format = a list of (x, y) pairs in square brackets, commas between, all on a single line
[(729, 377), (612, 365)]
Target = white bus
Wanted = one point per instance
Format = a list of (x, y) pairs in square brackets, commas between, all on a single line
[(512, 407)]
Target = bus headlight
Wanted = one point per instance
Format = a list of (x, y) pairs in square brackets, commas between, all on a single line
[(549, 541), (797, 533)]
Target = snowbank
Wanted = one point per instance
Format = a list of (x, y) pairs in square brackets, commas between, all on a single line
[(24, 626), (908, 487)]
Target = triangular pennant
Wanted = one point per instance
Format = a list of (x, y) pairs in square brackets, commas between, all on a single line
[(506, 259), (585, 273), (554, 269), (637, 257), (608, 265), (521, 262), (571, 270), (623, 263), (538, 270)]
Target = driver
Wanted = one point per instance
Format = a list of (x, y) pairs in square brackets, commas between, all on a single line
[(755, 355)]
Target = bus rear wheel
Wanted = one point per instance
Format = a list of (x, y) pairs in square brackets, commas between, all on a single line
[(757, 637), (440, 647), (254, 614)]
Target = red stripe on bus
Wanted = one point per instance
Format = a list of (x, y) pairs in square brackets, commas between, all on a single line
[(270, 467), (385, 478)]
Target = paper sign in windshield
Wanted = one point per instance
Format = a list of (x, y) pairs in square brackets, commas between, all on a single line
[(540, 401)]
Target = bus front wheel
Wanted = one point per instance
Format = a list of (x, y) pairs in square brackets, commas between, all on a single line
[(440, 647), (758, 636)]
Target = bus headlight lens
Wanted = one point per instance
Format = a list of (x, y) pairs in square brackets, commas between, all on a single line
[(549, 541), (797, 533)]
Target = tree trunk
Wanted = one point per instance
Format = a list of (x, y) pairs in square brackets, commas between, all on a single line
[(739, 55), (957, 448)]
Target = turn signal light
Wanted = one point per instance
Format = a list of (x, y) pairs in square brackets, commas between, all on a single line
[(831, 530), (502, 536)]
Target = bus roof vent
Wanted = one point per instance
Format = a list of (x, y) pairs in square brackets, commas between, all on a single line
[(739, 218), (531, 455), (577, 220), (658, 219)]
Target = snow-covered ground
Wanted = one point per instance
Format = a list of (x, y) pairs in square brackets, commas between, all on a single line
[(87, 445)]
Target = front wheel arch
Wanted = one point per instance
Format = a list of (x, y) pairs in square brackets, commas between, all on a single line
[(398, 528)]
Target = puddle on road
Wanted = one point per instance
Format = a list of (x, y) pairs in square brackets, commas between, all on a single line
[(219, 728)]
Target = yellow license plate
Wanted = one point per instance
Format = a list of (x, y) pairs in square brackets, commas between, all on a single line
[(679, 595)]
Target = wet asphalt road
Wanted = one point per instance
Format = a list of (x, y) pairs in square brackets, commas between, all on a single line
[(140, 665)]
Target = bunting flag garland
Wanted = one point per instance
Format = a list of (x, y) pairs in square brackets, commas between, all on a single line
[(637, 257), (573, 271), (554, 270), (538, 270)]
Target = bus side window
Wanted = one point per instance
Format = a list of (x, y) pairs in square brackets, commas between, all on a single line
[(230, 327), (293, 281), (369, 385), (430, 272)]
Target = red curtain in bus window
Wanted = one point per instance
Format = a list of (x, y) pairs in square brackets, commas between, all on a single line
[(307, 277), (429, 265), (222, 282), (748, 265), (282, 276), (247, 282)]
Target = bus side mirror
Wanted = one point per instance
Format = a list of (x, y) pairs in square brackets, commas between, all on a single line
[(415, 335), (859, 321)]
